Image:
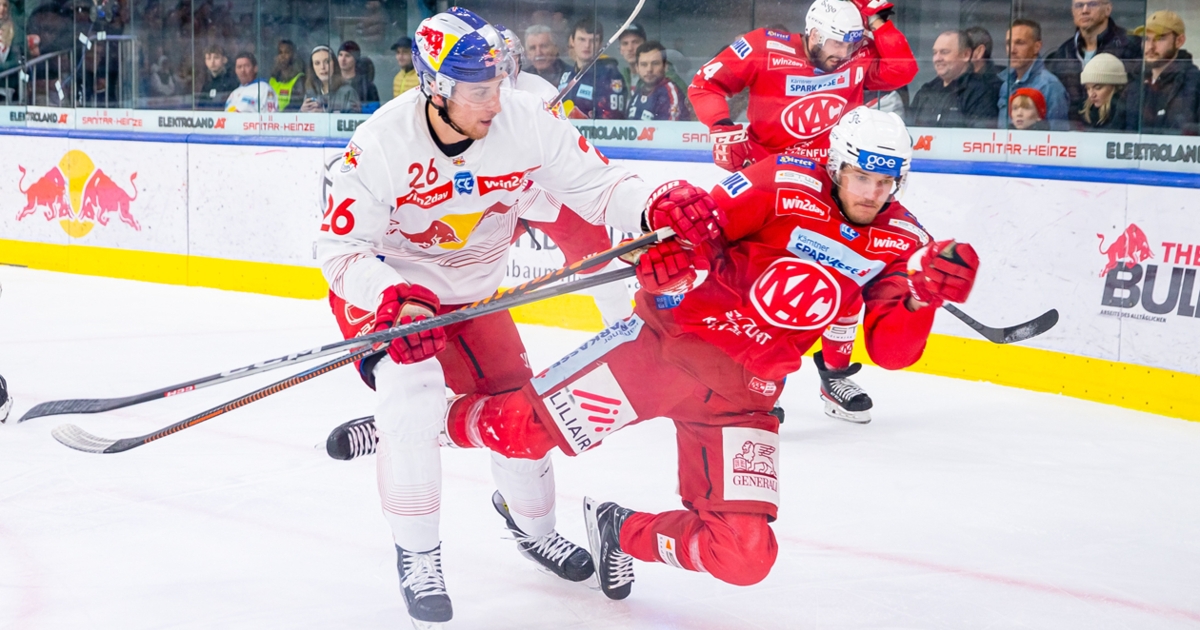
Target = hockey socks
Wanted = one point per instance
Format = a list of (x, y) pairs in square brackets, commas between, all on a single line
[(735, 547)]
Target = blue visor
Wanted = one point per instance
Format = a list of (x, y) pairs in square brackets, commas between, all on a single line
[(877, 163)]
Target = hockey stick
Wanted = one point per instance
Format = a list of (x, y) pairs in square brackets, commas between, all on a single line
[(1011, 334), (78, 439), (579, 77), (99, 405)]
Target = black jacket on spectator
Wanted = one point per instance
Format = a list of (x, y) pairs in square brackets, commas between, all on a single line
[(1169, 106), (990, 75), (1122, 113), (967, 102), (223, 84), (1067, 62), (553, 74), (367, 92)]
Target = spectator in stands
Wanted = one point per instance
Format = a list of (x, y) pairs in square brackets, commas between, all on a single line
[(324, 89), (980, 41), (287, 79), (957, 97), (1108, 107), (406, 79), (1170, 81), (1027, 109), (630, 41), (12, 36), (218, 82), (162, 78), (1095, 32), (253, 95), (542, 54), (1025, 69), (357, 75), (655, 97), (600, 92)]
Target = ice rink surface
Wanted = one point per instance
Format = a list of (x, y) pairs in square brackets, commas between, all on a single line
[(963, 505)]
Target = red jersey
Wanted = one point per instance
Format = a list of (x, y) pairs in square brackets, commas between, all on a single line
[(792, 104), (793, 264)]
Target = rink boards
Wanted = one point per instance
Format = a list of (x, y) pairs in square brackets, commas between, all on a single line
[(1119, 261)]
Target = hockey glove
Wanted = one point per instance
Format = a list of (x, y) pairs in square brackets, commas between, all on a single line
[(669, 269), (872, 9), (731, 147), (942, 271), (404, 304), (687, 209)]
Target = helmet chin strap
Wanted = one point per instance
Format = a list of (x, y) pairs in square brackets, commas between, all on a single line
[(444, 114)]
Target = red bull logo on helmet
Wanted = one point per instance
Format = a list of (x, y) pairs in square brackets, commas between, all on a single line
[(78, 195)]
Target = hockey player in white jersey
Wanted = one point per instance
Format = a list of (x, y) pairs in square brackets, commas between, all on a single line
[(422, 211)]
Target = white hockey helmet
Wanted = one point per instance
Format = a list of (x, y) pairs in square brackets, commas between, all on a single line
[(838, 20), (516, 49), (872, 140)]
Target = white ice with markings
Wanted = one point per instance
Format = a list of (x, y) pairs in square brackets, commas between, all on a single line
[(963, 505)]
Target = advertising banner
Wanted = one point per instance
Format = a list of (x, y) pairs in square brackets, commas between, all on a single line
[(95, 192)]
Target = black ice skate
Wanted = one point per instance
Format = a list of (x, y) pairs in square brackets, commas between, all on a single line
[(552, 552), (5, 400), (844, 399), (614, 567), (352, 439), (424, 588)]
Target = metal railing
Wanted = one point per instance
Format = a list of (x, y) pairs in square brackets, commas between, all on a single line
[(61, 78)]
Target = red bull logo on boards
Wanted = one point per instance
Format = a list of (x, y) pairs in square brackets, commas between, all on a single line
[(78, 195), (1131, 246)]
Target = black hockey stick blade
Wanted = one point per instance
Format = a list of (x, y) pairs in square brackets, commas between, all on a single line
[(80, 440), (1011, 334), (100, 405)]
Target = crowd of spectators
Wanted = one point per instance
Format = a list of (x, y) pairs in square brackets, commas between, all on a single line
[(1104, 77)]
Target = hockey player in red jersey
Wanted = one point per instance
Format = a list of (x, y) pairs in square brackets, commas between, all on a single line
[(718, 326), (800, 85)]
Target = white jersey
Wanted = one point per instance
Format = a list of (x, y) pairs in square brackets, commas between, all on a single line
[(402, 211), (252, 98), (532, 83)]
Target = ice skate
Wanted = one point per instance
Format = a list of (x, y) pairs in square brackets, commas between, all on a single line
[(352, 439), (614, 567), (5, 400), (424, 588), (844, 399), (553, 553)]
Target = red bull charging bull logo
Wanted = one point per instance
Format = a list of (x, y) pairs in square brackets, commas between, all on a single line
[(78, 195), (1131, 247)]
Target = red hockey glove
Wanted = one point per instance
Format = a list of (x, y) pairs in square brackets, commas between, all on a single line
[(669, 269), (942, 271), (687, 209), (871, 9), (731, 147), (404, 304)]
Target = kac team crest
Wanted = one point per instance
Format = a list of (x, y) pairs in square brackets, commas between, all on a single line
[(78, 195)]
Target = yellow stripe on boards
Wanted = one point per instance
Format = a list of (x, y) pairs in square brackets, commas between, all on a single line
[(1125, 385), (197, 271)]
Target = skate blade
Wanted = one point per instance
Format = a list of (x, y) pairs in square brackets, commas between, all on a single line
[(833, 410), (427, 625)]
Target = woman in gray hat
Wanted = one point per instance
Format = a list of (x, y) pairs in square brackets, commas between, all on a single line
[(1107, 107)]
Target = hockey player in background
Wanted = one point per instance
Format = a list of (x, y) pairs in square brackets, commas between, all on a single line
[(800, 85), (719, 324), (422, 211)]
